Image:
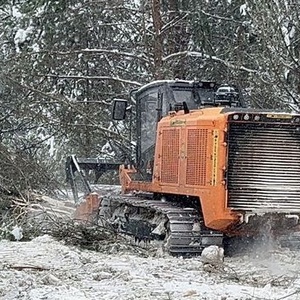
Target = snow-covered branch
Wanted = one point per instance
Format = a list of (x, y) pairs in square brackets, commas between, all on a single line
[(172, 23), (205, 56), (92, 78), (70, 104), (220, 17), (98, 51)]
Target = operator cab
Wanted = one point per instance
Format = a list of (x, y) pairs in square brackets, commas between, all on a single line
[(155, 100)]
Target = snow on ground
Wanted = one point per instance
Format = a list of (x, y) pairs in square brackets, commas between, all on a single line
[(47, 269), (44, 269)]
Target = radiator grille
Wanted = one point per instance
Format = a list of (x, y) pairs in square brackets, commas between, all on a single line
[(170, 156), (264, 167), (196, 157)]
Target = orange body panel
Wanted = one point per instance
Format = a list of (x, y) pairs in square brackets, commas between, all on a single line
[(87, 211), (190, 159)]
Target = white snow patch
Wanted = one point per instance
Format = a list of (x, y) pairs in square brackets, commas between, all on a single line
[(243, 9), (286, 74), (51, 144), (288, 32), (15, 12), (54, 293), (35, 47), (73, 274), (21, 36), (107, 151), (17, 232), (40, 10)]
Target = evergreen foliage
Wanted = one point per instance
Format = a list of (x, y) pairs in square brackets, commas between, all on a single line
[(63, 62)]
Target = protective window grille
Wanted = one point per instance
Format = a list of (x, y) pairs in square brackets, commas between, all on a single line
[(170, 156), (196, 157)]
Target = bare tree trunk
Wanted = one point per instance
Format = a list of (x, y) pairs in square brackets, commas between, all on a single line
[(158, 47), (178, 37)]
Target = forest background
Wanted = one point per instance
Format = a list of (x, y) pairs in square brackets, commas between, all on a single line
[(63, 63)]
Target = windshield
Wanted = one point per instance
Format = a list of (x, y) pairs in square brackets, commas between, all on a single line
[(206, 96), (181, 96), (194, 98)]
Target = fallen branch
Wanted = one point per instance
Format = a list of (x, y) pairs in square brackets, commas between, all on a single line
[(23, 267)]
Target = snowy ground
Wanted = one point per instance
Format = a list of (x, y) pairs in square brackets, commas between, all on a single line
[(47, 269), (44, 269)]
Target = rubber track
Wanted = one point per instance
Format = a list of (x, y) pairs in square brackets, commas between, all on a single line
[(181, 238)]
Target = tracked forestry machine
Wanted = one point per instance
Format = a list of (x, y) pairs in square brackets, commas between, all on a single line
[(206, 167)]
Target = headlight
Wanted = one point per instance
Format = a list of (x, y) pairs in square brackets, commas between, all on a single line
[(246, 117), (235, 117), (256, 118)]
